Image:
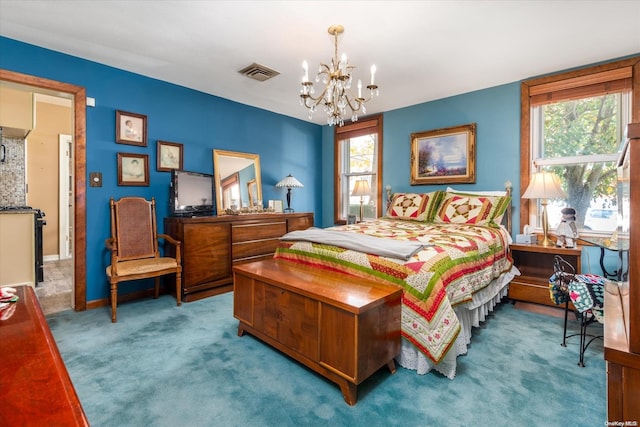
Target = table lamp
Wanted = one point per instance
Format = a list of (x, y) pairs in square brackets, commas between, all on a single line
[(289, 182), (361, 189), (544, 186)]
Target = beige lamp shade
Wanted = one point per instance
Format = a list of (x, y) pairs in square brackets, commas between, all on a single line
[(361, 188), (544, 185)]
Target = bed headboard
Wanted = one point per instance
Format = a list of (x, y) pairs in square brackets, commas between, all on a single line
[(507, 220)]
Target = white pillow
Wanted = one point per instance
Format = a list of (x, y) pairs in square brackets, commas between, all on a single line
[(478, 193)]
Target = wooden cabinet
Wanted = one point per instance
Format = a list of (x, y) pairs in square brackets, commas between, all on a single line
[(17, 116), (17, 248), (535, 263), (212, 245), (622, 303), (343, 329)]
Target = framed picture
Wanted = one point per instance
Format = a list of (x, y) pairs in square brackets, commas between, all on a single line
[(444, 156), (131, 128), (133, 169), (276, 205), (169, 156)]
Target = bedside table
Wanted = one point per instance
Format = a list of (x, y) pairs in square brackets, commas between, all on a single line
[(535, 263)]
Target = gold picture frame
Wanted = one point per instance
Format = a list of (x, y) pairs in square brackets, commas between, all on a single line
[(169, 156), (131, 128), (133, 169), (444, 156)]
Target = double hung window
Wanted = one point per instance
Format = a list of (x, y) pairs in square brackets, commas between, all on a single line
[(358, 149), (573, 125)]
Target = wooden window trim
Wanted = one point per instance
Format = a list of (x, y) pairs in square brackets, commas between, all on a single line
[(352, 130), (570, 84)]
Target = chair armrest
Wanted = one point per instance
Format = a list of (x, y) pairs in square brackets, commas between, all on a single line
[(109, 244), (169, 239)]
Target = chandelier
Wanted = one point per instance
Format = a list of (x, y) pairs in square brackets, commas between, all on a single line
[(335, 97)]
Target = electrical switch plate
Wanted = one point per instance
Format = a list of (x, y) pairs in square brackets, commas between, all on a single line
[(95, 179)]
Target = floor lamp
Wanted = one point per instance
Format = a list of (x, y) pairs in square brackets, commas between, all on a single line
[(289, 182), (544, 186), (361, 189)]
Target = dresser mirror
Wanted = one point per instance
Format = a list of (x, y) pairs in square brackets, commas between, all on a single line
[(238, 183)]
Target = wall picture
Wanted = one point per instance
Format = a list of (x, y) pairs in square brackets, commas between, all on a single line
[(444, 156), (169, 156), (133, 169), (131, 128)]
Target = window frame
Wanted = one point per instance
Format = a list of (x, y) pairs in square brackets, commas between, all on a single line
[(364, 126), (574, 84)]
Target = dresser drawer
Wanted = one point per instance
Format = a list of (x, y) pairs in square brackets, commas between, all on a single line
[(257, 231), (254, 248)]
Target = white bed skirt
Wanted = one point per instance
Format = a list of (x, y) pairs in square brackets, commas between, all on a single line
[(470, 315)]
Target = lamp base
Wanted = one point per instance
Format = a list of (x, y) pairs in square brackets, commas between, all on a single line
[(288, 210)]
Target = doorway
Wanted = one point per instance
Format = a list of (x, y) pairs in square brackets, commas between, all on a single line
[(78, 96)]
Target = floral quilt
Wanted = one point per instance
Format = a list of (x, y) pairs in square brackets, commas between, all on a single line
[(456, 261)]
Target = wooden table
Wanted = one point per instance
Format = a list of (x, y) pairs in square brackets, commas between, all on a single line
[(36, 388)]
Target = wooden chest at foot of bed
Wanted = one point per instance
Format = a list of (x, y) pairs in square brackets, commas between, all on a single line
[(342, 327)]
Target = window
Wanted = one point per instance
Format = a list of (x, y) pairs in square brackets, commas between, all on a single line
[(573, 125), (358, 146)]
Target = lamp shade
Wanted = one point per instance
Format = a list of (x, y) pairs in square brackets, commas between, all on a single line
[(361, 188), (544, 185), (289, 182)]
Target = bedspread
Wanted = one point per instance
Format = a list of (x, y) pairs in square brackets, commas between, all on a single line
[(457, 261)]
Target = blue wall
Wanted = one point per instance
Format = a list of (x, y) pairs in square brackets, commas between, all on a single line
[(199, 121), (202, 122)]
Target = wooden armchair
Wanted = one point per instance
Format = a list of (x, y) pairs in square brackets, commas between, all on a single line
[(134, 247)]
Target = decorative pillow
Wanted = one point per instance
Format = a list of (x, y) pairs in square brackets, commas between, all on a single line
[(414, 206), (471, 209), (503, 203)]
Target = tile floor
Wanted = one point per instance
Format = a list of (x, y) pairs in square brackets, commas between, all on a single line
[(54, 293)]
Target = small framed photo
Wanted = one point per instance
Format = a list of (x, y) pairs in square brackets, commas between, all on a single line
[(131, 128), (444, 156), (276, 205), (169, 156), (133, 169)]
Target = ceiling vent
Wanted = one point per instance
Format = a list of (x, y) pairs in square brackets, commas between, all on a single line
[(258, 72)]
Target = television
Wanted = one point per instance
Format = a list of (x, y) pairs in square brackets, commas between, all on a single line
[(191, 193)]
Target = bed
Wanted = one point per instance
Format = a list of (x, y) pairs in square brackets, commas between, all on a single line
[(452, 261)]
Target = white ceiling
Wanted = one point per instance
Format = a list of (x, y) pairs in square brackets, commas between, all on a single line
[(423, 50)]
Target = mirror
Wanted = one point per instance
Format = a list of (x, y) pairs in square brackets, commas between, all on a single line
[(237, 180)]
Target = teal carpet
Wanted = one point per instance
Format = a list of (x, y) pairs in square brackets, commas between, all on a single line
[(163, 365)]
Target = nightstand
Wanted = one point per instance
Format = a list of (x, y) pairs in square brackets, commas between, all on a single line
[(535, 263)]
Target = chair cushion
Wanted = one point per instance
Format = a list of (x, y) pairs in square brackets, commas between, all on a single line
[(142, 266)]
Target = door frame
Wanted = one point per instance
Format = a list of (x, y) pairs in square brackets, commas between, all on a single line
[(79, 173), (64, 202)]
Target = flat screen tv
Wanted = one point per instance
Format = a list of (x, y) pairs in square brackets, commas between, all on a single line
[(191, 193)]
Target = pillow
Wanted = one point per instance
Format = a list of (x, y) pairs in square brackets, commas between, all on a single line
[(478, 193), (497, 219), (414, 206), (472, 209)]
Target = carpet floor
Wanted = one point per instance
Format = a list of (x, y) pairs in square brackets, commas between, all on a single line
[(163, 365)]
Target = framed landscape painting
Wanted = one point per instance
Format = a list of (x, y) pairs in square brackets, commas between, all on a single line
[(444, 156)]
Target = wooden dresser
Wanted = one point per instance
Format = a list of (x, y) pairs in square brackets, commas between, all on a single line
[(622, 305), (343, 329), (212, 245), (36, 388)]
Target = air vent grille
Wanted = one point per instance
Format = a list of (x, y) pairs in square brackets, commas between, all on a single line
[(258, 72)]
